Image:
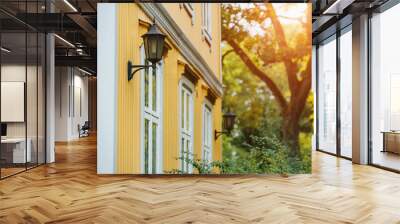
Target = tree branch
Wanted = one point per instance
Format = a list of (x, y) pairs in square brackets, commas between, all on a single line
[(301, 96), (226, 54), (260, 74), (291, 68)]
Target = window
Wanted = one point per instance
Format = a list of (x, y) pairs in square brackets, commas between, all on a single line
[(385, 89), (207, 132), (189, 7), (151, 118), (206, 21), (346, 75), (186, 126), (22, 88), (327, 96)]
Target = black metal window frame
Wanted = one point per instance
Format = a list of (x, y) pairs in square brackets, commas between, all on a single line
[(334, 37), (381, 9), (387, 5), (44, 76)]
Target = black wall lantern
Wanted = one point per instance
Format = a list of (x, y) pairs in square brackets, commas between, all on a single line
[(228, 122), (153, 42)]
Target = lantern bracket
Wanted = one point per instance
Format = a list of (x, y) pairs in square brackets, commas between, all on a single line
[(137, 68), (219, 133)]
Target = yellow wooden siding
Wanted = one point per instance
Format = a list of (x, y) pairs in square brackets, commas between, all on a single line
[(211, 54), (200, 93), (128, 115), (170, 111), (217, 120)]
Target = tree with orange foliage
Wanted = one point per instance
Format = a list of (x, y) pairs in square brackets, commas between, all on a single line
[(276, 45)]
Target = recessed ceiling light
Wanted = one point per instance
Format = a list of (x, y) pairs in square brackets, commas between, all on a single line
[(84, 71), (5, 50), (70, 5), (337, 7), (65, 41)]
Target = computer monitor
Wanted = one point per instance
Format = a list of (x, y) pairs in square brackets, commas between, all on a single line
[(3, 129)]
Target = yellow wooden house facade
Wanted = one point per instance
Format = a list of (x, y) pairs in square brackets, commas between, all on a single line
[(147, 123)]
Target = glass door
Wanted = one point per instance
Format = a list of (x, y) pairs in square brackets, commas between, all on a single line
[(346, 93), (327, 96), (22, 77)]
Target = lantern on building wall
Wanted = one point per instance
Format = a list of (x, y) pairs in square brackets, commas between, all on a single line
[(228, 123), (153, 42)]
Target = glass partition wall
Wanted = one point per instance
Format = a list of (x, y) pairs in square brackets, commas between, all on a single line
[(22, 78), (345, 61), (334, 93), (385, 90), (327, 95)]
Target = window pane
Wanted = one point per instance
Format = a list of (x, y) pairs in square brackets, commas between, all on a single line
[(207, 133), (183, 109), (31, 101), (327, 96), (146, 87), (209, 128), (154, 148), (346, 94), (154, 90), (13, 92), (385, 88), (187, 154), (146, 146), (41, 99), (187, 112), (204, 127), (182, 153)]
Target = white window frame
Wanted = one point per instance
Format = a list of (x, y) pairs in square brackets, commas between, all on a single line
[(207, 132), (154, 116), (206, 21), (186, 133), (189, 8)]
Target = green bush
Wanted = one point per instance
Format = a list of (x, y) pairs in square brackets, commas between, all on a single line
[(266, 155)]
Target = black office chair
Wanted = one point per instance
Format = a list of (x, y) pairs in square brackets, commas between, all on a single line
[(84, 130)]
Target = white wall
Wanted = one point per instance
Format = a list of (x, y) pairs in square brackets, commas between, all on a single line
[(106, 87), (70, 83), (12, 73), (33, 126)]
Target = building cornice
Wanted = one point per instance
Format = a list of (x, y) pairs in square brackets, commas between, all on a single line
[(189, 52)]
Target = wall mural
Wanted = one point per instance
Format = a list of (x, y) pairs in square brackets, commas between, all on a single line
[(267, 77), (232, 97)]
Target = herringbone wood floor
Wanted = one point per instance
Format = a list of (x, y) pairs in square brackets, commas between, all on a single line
[(69, 191)]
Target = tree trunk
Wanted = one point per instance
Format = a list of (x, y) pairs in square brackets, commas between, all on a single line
[(290, 134)]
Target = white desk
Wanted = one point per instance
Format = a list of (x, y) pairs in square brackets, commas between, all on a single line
[(19, 155)]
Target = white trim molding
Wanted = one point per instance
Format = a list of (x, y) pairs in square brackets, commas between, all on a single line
[(190, 10), (207, 130), (153, 114), (206, 22), (188, 50), (186, 133)]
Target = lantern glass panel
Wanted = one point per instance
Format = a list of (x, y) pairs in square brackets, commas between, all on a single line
[(153, 48)]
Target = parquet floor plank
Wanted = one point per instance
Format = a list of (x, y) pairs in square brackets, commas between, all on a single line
[(70, 191)]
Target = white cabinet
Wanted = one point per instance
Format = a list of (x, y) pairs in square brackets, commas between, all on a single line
[(19, 155)]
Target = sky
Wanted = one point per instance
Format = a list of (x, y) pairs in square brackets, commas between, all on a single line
[(288, 13)]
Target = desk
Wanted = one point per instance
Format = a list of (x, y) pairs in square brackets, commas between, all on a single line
[(15, 148), (391, 141)]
